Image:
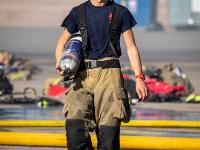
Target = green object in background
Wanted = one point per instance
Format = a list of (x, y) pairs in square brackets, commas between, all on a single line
[(127, 70), (20, 75), (193, 98), (44, 104)]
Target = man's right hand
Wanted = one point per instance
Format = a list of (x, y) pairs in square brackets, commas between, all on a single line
[(64, 38), (59, 70)]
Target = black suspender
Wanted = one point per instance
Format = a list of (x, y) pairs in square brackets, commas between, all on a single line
[(112, 32), (83, 29)]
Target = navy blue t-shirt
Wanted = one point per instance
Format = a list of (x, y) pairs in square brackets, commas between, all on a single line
[(98, 22)]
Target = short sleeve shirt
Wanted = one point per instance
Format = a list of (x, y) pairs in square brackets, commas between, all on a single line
[(98, 22)]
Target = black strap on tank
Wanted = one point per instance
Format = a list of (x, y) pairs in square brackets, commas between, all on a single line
[(83, 29)]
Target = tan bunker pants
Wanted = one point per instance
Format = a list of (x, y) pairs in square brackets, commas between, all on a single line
[(96, 100)]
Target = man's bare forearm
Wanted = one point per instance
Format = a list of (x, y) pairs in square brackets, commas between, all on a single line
[(132, 51), (65, 36), (59, 50), (135, 60)]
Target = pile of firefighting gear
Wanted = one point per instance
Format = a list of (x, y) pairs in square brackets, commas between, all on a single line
[(17, 68), (13, 68), (166, 83)]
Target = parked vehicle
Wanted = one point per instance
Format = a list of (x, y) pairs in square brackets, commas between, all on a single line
[(6, 91)]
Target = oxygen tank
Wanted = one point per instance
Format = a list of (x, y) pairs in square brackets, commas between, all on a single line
[(72, 55)]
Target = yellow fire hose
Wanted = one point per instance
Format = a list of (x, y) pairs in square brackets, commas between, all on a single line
[(127, 142), (134, 123)]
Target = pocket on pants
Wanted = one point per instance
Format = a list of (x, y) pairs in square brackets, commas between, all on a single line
[(121, 106), (66, 106)]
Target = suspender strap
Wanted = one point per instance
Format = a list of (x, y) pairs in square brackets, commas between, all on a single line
[(113, 29), (83, 29)]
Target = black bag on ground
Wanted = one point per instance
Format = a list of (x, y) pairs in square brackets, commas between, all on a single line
[(5, 86)]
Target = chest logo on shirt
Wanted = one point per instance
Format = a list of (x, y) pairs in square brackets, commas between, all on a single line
[(110, 17)]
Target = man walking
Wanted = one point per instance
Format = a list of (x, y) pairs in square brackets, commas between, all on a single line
[(97, 99)]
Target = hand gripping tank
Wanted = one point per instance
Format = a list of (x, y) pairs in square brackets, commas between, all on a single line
[(72, 55)]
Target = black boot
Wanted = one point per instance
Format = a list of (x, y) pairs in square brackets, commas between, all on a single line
[(78, 137), (108, 137)]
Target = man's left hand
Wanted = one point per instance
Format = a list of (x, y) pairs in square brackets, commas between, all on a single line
[(141, 89)]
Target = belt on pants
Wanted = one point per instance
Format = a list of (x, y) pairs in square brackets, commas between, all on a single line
[(113, 63)]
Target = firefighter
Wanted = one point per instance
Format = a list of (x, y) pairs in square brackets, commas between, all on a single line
[(97, 99)]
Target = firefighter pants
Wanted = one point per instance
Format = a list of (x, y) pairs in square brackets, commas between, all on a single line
[(96, 101)]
